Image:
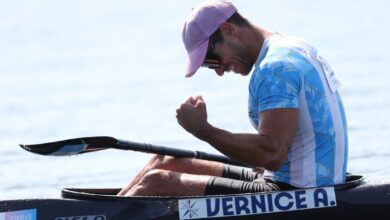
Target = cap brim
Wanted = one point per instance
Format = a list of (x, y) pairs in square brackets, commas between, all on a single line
[(197, 57)]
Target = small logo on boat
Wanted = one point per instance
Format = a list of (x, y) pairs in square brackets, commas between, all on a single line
[(29, 214), (86, 217), (189, 209)]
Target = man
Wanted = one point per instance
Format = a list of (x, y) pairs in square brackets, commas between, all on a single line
[(301, 138)]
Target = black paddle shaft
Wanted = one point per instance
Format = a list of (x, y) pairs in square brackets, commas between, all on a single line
[(162, 150), (90, 144)]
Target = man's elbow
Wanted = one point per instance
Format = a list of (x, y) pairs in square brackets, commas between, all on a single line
[(274, 165), (276, 159)]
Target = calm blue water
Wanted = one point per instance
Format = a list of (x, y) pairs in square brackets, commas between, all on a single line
[(84, 68)]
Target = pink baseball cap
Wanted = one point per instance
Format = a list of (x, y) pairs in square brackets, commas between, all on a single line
[(202, 22)]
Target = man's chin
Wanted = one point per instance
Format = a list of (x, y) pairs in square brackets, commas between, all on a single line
[(244, 73)]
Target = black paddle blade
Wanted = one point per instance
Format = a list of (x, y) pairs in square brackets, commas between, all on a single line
[(71, 146)]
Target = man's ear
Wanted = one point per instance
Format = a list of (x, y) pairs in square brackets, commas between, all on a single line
[(228, 30)]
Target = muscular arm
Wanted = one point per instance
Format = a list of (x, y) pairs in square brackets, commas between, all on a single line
[(268, 148)]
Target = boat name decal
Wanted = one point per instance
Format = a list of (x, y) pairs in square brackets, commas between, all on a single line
[(260, 203), (29, 214), (86, 217)]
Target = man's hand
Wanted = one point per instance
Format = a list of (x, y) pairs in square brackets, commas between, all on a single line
[(192, 116)]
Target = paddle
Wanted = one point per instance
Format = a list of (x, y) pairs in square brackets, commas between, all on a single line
[(89, 144)]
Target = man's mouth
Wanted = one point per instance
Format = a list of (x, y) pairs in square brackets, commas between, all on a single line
[(232, 68)]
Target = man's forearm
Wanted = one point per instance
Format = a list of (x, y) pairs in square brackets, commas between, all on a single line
[(255, 150)]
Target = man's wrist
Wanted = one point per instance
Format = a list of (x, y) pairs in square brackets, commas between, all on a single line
[(205, 132)]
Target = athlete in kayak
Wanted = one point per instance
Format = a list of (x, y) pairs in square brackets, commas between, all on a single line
[(294, 105)]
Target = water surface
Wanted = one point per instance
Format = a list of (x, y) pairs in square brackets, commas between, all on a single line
[(71, 69)]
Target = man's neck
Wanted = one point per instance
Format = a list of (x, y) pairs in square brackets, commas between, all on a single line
[(255, 40)]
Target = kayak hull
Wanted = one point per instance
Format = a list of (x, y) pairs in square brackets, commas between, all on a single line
[(357, 199)]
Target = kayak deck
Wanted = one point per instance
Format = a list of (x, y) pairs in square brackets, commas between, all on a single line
[(111, 193)]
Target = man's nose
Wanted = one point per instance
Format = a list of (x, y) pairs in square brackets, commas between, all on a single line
[(219, 71)]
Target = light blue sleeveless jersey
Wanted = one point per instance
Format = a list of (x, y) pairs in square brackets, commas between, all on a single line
[(290, 73)]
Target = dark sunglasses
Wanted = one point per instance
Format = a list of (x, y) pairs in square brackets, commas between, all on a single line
[(212, 64), (212, 60)]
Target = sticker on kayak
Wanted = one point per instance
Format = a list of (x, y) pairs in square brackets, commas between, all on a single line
[(261, 203), (86, 217), (29, 214)]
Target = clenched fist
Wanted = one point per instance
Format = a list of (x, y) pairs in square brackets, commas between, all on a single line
[(192, 116)]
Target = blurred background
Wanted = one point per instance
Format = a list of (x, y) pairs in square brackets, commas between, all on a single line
[(86, 68)]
